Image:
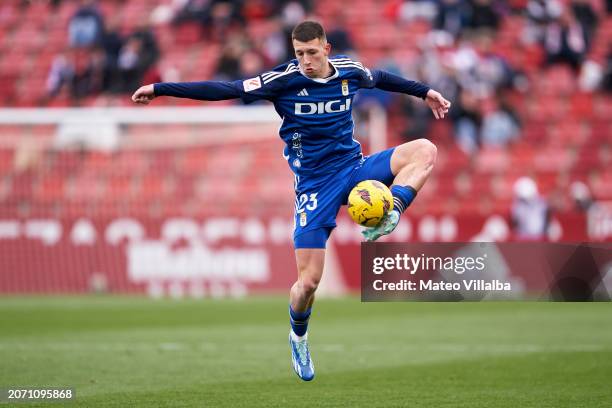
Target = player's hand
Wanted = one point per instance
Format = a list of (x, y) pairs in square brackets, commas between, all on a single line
[(438, 105), (144, 95)]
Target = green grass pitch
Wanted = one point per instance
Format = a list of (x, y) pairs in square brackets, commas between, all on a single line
[(135, 352)]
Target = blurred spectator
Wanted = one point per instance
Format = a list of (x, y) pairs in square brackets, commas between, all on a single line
[(273, 48), (293, 12), (478, 67), (491, 72), (165, 12), (149, 52), (432, 67), (88, 74), (530, 213), (607, 74), (420, 119), (129, 65), (484, 14), (112, 42), (223, 15), (215, 16), (419, 9), (190, 10), (500, 125), (81, 73), (228, 65), (60, 73), (86, 26), (467, 121), (581, 194), (539, 14), (435, 63), (591, 76), (452, 16), (137, 56), (586, 16), (338, 37), (565, 41)]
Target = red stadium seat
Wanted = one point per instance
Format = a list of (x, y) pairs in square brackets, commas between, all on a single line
[(188, 34), (492, 160), (50, 189), (6, 161), (553, 159), (582, 106), (601, 186)]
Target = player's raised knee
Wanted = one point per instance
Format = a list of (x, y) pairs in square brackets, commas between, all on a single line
[(417, 151), (426, 151)]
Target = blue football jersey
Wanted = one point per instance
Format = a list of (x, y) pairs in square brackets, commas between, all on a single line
[(317, 129), (317, 125)]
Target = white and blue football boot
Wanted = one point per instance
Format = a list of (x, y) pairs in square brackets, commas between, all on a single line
[(384, 227), (300, 356)]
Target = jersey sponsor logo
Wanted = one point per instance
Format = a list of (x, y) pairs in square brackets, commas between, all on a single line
[(251, 84), (311, 108), (345, 87)]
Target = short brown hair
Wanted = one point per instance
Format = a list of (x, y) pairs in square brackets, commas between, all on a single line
[(307, 31)]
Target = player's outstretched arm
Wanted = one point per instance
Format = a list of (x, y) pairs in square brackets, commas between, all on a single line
[(203, 91), (394, 83)]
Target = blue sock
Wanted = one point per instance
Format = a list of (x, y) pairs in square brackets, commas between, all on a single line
[(299, 321), (402, 197)]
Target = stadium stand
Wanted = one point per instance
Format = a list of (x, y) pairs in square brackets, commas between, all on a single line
[(565, 128)]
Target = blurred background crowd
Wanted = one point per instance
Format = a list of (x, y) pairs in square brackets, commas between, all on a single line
[(530, 80)]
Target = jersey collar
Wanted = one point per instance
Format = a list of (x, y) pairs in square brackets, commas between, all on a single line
[(322, 80)]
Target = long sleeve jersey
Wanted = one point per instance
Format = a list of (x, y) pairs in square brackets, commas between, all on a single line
[(317, 125)]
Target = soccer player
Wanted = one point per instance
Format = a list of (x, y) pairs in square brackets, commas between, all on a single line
[(313, 94)]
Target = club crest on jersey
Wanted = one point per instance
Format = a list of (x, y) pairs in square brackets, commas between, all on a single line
[(251, 84), (345, 87), (303, 219), (311, 108)]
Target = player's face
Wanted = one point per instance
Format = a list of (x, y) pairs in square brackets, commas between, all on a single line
[(312, 57)]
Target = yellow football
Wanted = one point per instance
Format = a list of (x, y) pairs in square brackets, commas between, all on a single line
[(368, 202)]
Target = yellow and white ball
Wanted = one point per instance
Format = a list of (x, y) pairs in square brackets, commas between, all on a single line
[(368, 202)]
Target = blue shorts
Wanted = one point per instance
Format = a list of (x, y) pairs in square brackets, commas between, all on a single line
[(318, 200)]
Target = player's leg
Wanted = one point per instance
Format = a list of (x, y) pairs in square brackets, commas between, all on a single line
[(310, 263), (411, 165), (318, 201), (310, 259)]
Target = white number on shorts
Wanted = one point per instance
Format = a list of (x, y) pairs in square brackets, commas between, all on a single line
[(304, 200)]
